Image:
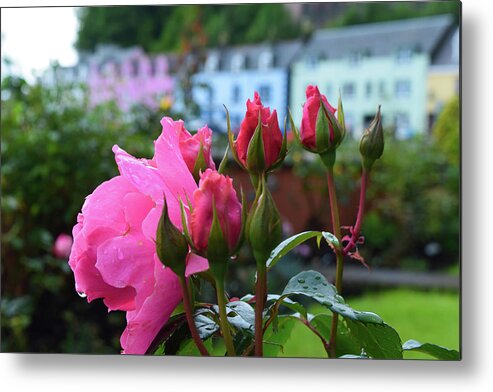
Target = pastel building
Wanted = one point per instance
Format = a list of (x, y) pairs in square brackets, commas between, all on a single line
[(230, 76), (128, 76), (443, 76), (373, 64)]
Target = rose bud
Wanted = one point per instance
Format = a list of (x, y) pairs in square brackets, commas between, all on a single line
[(171, 244), (264, 225), (62, 246), (196, 150), (216, 220), (260, 146), (320, 131), (372, 142)]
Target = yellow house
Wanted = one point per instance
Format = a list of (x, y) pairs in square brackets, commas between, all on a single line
[(443, 78)]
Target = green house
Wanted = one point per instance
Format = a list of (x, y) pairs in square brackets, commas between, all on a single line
[(373, 64)]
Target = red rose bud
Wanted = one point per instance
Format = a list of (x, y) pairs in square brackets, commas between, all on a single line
[(260, 145), (264, 226), (216, 221), (320, 131), (171, 244), (372, 142), (196, 150)]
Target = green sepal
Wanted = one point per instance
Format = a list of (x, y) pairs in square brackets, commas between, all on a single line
[(224, 161), (336, 129), (340, 116), (231, 140), (171, 244), (328, 158), (244, 217), (284, 149), (217, 248), (200, 164), (255, 152), (322, 130), (184, 224)]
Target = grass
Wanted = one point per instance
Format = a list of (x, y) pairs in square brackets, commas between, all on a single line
[(429, 317)]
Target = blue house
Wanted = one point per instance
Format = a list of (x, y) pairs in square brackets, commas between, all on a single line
[(231, 75)]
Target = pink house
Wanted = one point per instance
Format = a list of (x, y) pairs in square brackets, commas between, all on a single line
[(129, 76)]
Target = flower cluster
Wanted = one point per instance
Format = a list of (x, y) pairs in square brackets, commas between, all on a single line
[(114, 254), (141, 234)]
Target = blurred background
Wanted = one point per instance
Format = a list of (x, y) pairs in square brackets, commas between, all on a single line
[(97, 76)]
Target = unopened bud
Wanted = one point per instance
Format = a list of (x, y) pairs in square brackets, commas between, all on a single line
[(372, 142), (264, 226), (171, 244)]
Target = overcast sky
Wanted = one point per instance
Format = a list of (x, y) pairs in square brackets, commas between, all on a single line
[(33, 37)]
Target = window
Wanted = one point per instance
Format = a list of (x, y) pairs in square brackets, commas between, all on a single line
[(402, 126), (368, 89), (355, 58), (348, 90), (402, 88), (237, 62), (236, 94), (404, 55), (212, 62), (381, 88), (266, 60), (265, 92)]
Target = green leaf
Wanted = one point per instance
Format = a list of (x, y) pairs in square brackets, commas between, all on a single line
[(189, 348), (434, 350), (206, 326), (242, 341), (345, 342), (274, 340), (241, 315), (376, 338), (379, 341), (314, 285), (287, 302), (289, 244)]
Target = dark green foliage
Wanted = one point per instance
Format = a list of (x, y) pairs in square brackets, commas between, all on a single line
[(372, 12), (55, 151), (412, 197), (164, 28)]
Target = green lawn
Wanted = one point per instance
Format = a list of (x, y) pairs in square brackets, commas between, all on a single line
[(424, 316)]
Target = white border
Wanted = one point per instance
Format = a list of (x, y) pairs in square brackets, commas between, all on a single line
[(473, 373)]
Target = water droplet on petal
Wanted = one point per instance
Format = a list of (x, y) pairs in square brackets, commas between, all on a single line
[(81, 294)]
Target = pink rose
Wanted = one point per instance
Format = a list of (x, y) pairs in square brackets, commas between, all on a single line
[(62, 246), (190, 147), (220, 188), (271, 134), (309, 120), (114, 256)]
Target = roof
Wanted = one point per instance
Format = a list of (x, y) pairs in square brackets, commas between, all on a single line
[(283, 54), (380, 39)]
